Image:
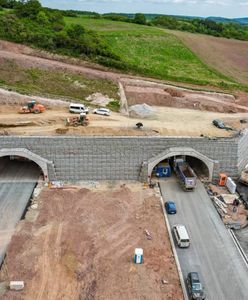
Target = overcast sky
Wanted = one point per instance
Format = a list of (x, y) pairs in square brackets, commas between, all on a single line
[(223, 8)]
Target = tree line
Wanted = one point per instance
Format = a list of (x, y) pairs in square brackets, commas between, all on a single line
[(29, 23), (204, 26)]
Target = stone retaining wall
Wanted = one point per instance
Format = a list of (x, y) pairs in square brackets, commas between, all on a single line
[(121, 158)]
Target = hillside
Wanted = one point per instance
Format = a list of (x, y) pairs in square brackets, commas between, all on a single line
[(225, 55), (153, 52)]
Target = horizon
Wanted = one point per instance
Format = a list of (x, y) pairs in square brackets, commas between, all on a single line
[(193, 8)]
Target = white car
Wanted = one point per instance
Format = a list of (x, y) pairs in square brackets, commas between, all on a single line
[(102, 111)]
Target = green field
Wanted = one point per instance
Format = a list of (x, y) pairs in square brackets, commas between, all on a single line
[(153, 52)]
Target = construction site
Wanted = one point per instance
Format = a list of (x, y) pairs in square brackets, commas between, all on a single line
[(83, 186)]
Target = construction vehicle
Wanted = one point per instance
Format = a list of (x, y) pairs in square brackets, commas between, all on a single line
[(162, 170), (32, 107), (185, 174), (244, 176), (81, 120)]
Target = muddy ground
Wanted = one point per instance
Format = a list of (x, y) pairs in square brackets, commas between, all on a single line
[(80, 242)]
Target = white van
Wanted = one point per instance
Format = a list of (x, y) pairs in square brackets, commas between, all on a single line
[(78, 108), (181, 236)]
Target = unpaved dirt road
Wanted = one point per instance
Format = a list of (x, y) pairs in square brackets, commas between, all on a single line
[(81, 246), (166, 121)]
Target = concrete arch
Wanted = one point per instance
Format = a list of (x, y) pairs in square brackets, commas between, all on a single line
[(40, 161), (175, 151)]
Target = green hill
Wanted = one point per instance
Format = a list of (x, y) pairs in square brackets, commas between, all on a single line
[(151, 51)]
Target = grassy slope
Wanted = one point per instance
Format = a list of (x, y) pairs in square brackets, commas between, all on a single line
[(53, 83), (152, 52)]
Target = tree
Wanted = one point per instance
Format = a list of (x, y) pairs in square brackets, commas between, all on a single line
[(28, 9), (75, 31), (139, 19), (42, 18)]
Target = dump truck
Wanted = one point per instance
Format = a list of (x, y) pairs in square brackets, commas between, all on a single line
[(81, 120), (32, 107), (184, 172), (244, 176)]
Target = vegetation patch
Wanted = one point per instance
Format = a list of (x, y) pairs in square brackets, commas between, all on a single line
[(126, 44), (152, 52), (53, 83)]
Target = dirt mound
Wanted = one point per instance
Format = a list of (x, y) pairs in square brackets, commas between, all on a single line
[(141, 111)]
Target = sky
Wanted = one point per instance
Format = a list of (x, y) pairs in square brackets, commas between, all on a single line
[(201, 8)]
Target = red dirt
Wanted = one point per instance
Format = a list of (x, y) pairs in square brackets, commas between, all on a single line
[(181, 98), (81, 246)]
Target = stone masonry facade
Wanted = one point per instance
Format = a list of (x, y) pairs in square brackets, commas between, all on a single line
[(121, 158)]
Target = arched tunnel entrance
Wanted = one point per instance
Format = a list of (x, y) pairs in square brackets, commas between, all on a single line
[(24, 155), (201, 164), (19, 169), (165, 168)]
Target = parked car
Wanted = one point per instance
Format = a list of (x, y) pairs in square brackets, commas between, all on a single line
[(102, 111), (170, 207), (194, 285), (78, 108), (218, 123)]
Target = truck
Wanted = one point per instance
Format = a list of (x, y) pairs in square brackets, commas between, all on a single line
[(162, 170), (184, 172)]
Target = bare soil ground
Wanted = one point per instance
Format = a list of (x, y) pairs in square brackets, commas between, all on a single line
[(179, 111), (165, 122), (164, 95), (26, 57), (81, 246), (225, 55)]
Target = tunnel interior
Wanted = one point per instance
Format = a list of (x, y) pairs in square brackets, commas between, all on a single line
[(165, 167), (13, 166)]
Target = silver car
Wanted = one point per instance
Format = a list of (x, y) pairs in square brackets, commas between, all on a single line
[(102, 111)]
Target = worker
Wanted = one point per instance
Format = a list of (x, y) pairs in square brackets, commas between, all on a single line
[(139, 125)]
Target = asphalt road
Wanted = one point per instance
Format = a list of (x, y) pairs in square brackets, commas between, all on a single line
[(17, 182), (212, 252)]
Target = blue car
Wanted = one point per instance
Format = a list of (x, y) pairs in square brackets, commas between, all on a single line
[(170, 207)]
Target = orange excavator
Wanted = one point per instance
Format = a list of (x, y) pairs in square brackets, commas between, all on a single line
[(32, 107)]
